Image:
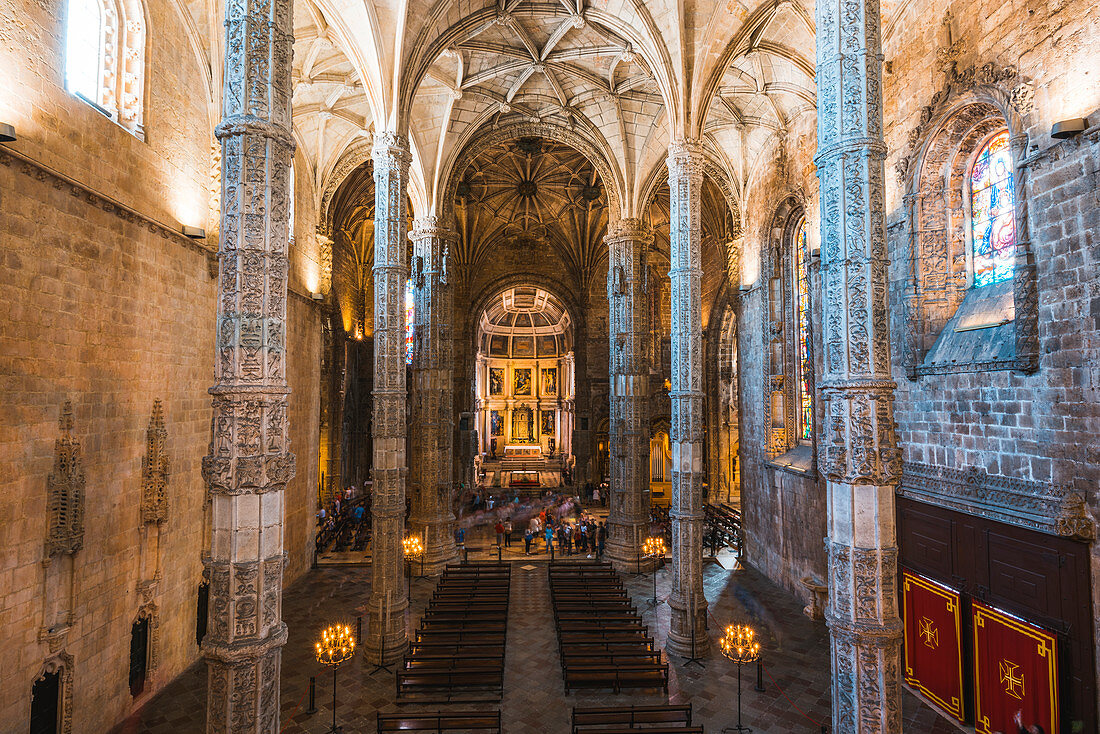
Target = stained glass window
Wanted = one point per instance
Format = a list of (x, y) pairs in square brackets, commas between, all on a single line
[(409, 313), (805, 369), (992, 212)]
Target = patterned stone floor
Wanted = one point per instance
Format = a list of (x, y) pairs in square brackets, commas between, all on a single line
[(795, 699)]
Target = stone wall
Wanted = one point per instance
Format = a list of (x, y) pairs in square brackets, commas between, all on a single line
[(784, 509), (1039, 427), (105, 313), (105, 304)]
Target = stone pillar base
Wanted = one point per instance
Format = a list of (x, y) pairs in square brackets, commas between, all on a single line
[(439, 546), (390, 646), (624, 547), (679, 631)]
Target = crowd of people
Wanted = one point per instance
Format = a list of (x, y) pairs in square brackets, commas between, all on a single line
[(346, 515), (556, 519)]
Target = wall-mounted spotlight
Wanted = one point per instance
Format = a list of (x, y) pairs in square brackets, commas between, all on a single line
[(195, 233), (7, 133), (317, 296), (745, 288), (1072, 127)]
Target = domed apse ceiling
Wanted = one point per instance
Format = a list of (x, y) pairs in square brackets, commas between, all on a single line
[(525, 321), (532, 189)]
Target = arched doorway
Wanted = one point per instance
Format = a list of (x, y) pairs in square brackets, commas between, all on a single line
[(524, 387)]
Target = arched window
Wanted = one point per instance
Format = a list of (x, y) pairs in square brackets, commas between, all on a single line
[(84, 49), (788, 339), (802, 341), (992, 213), (966, 306), (105, 58)]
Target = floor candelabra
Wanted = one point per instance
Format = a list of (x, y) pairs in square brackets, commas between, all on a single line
[(739, 645)]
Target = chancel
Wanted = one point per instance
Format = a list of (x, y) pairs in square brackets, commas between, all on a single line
[(541, 349)]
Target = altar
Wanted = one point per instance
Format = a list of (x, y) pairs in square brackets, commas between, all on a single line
[(523, 451)]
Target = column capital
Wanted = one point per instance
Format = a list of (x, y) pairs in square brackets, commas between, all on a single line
[(629, 229), (686, 155), (390, 147), (431, 226)]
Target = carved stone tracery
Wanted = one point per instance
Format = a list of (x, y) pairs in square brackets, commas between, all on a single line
[(1045, 507), (155, 469), (65, 491), (934, 168)]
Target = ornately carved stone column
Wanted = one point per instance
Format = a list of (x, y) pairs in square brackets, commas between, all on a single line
[(687, 603), (629, 436), (858, 446), (432, 435), (386, 635), (250, 462)]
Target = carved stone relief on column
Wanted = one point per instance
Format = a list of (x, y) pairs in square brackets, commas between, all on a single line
[(687, 626), (250, 462), (628, 241), (858, 450)]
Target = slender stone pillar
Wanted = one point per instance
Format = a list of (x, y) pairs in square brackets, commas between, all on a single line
[(386, 630), (687, 603), (628, 518), (858, 446), (250, 461), (432, 435)]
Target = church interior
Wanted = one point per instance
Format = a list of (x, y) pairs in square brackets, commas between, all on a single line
[(549, 366)]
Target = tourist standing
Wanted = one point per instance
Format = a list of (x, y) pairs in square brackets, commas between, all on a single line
[(549, 535), (601, 539), (528, 536), (508, 533), (499, 530)]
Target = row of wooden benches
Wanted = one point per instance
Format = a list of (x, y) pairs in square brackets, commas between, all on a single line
[(668, 719), (458, 652), (602, 641)]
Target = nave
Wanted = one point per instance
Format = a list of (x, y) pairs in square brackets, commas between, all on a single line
[(795, 659)]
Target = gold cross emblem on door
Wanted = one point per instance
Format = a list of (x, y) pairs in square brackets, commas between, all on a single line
[(1013, 679), (929, 633)]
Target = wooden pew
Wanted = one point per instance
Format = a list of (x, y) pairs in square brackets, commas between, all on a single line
[(441, 721), (631, 716), (637, 675), (445, 685)]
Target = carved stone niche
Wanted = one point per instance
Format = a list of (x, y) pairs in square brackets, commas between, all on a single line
[(1048, 508)]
